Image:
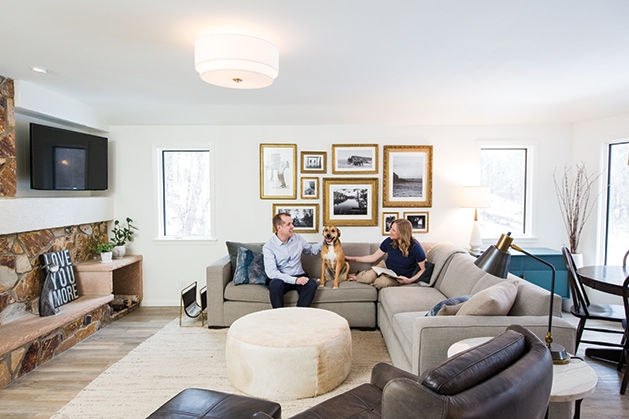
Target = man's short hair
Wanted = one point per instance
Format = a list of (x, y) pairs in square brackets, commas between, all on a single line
[(277, 219)]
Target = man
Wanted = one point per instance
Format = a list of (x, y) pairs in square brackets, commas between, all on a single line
[(282, 263)]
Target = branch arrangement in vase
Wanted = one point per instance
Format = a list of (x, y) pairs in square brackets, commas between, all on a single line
[(573, 194)]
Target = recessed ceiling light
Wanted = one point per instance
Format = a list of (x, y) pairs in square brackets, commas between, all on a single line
[(39, 69)]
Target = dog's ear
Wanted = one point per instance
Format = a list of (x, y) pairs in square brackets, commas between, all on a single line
[(338, 230)]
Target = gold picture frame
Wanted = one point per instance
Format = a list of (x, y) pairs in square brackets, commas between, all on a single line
[(313, 161), (387, 220), (419, 221), (278, 171), (309, 188), (305, 216), (407, 179), (350, 201), (355, 159)]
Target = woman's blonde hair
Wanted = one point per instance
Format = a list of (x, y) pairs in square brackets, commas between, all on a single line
[(405, 235)]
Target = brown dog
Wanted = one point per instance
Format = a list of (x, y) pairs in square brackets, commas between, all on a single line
[(333, 263)]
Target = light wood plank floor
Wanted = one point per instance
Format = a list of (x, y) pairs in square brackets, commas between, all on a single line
[(39, 394)]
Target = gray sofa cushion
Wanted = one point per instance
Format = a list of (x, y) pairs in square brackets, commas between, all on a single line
[(461, 277)]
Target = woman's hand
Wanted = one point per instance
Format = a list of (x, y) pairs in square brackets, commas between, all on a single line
[(350, 258), (404, 280)]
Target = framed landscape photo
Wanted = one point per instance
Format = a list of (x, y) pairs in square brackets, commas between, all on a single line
[(305, 216), (419, 221), (407, 180), (355, 159), (387, 221), (350, 201), (278, 171), (314, 161), (309, 188)]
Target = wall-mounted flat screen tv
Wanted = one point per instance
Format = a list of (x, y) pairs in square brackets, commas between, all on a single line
[(67, 160)]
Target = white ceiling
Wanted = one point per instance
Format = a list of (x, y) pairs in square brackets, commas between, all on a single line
[(341, 61)]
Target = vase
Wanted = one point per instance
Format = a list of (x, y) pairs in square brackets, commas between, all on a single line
[(578, 262), (119, 251), (105, 256)]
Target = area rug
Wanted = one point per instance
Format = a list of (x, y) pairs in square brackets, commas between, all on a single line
[(177, 358)]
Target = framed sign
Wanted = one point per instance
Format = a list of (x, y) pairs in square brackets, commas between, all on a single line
[(407, 180), (419, 221), (355, 159), (278, 172), (387, 221), (350, 202), (309, 188), (313, 161), (305, 216)]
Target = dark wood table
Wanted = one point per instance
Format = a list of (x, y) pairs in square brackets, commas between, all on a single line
[(608, 279)]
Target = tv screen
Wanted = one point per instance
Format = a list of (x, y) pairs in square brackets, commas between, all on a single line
[(67, 160)]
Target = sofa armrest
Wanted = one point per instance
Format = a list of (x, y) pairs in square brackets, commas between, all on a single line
[(382, 373), (217, 275), (432, 336), (404, 398)]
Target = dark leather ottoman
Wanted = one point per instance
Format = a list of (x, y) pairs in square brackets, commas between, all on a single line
[(196, 403)]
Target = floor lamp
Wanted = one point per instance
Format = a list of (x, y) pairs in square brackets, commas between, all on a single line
[(496, 259), (475, 197)]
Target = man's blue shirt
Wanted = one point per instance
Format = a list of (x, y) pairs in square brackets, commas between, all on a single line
[(283, 260)]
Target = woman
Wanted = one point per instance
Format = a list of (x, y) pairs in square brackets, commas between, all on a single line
[(405, 257)]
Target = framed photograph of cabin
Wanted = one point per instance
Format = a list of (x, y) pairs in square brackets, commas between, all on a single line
[(407, 180), (419, 221), (387, 221), (314, 161), (355, 159), (278, 171), (309, 188), (350, 201), (305, 216)]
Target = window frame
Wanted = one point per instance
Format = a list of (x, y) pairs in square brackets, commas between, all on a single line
[(529, 233), (603, 205), (158, 164)]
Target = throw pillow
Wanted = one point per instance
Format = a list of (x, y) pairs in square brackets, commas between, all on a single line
[(425, 276), (496, 300), (449, 302), (450, 310), (232, 251), (249, 268)]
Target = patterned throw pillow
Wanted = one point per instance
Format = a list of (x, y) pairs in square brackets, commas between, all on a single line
[(249, 267), (449, 302)]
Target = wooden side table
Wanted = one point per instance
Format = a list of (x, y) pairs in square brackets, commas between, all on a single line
[(571, 382)]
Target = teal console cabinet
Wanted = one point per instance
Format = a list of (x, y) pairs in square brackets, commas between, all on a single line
[(539, 274)]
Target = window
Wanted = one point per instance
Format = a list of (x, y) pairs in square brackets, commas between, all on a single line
[(185, 193), (505, 170), (617, 234)]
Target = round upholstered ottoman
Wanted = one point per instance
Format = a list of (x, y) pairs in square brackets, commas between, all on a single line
[(289, 353)]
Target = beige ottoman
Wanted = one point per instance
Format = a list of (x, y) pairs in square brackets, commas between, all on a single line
[(289, 353)]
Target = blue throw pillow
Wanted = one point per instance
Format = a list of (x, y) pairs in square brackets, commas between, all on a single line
[(249, 267), (449, 302)]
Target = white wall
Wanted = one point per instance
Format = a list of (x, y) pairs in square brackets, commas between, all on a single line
[(242, 216)]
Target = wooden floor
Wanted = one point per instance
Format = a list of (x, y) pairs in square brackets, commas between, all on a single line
[(39, 394)]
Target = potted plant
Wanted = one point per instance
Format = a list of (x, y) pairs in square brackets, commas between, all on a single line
[(105, 250), (573, 194), (121, 235)]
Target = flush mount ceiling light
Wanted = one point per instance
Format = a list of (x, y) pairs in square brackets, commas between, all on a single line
[(39, 69), (236, 61)]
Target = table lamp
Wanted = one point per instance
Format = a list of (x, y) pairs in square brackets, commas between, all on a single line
[(475, 197), (496, 259)]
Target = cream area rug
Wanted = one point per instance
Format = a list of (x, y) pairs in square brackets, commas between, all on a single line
[(177, 358)]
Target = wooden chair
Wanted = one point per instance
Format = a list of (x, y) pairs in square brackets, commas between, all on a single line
[(584, 310), (625, 339), (624, 260), (188, 303)]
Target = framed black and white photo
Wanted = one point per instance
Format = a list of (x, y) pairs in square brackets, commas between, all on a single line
[(305, 216), (387, 221), (309, 188), (314, 161), (419, 221), (278, 171), (350, 202), (407, 180), (355, 159)]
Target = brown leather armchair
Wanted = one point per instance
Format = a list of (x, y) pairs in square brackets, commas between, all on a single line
[(509, 376)]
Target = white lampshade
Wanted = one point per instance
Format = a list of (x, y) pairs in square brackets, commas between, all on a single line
[(236, 61), (475, 197)]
